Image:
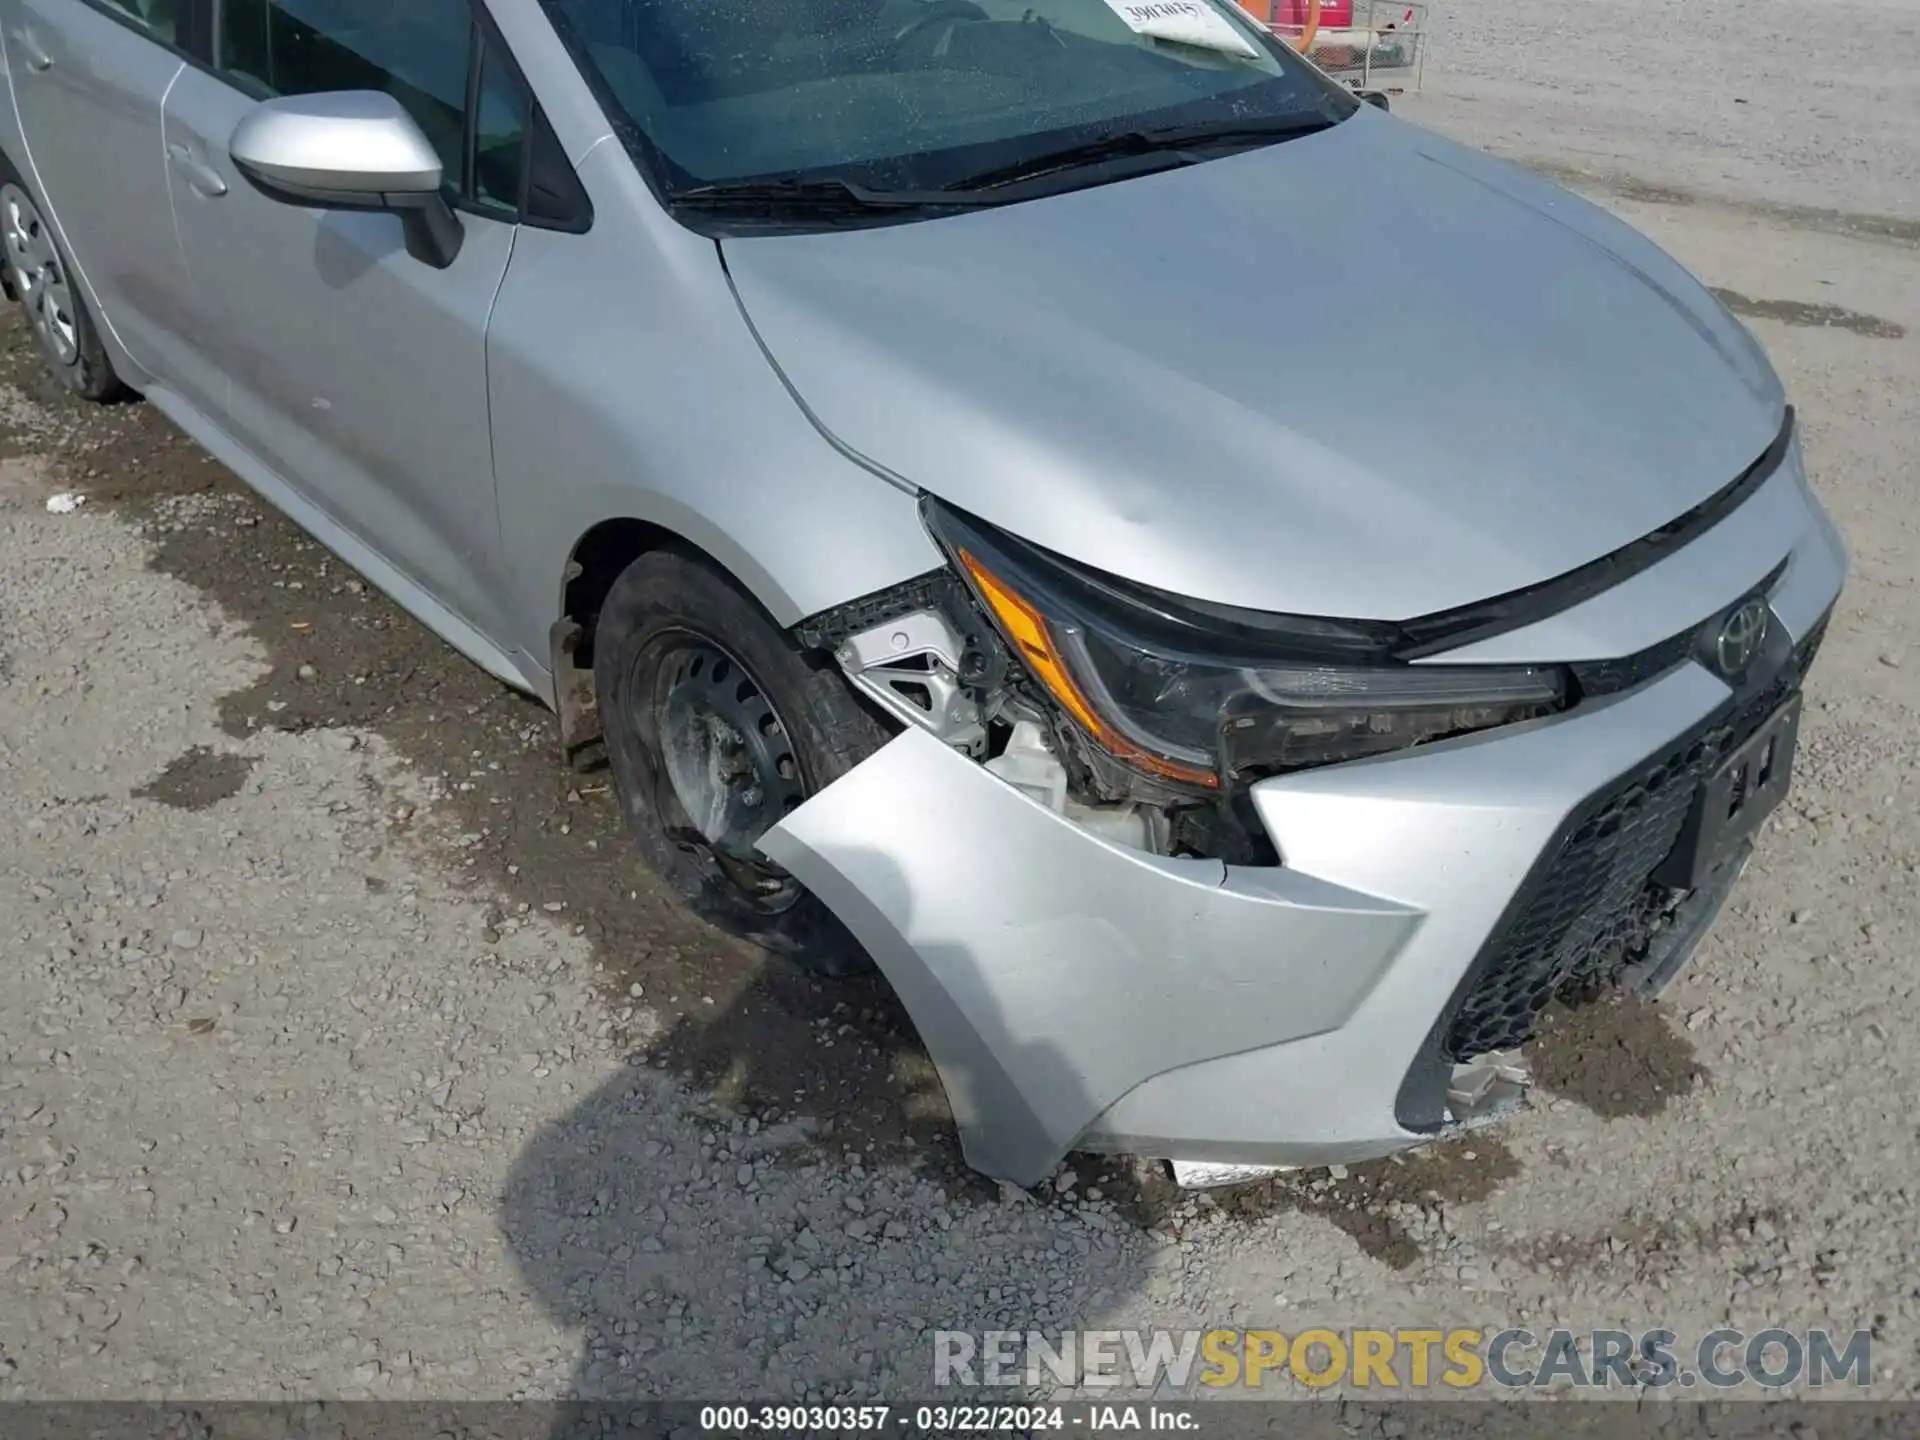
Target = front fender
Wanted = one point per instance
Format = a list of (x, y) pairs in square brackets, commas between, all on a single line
[(625, 384)]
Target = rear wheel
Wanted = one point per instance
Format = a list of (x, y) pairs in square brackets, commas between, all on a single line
[(718, 727), (44, 284)]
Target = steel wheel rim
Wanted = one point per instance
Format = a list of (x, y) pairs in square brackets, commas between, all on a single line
[(39, 274), (729, 771)]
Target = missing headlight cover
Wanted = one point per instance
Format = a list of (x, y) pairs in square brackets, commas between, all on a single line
[(1200, 695)]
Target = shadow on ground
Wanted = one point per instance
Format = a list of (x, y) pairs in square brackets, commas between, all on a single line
[(826, 1258)]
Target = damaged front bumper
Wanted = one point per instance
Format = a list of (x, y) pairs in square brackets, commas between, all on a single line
[(1079, 994)]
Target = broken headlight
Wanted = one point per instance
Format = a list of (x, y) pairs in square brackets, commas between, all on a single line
[(1199, 694)]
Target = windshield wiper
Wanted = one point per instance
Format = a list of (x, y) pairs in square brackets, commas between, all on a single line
[(837, 193), (1176, 139), (830, 192)]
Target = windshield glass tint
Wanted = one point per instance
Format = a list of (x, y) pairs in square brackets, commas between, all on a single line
[(917, 93)]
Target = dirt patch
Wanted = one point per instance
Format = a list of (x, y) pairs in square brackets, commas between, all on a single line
[(1796, 312), (1368, 1202), (1616, 1055), (1645, 1247), (198, 780), (1899, 229)]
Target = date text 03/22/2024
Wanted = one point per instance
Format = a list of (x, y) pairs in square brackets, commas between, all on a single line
[(942, 1419)]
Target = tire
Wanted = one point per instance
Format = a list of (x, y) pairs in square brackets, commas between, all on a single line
[(41, 279), (676, 645)]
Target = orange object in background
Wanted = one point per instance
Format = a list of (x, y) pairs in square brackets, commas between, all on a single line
[(1297, 21)]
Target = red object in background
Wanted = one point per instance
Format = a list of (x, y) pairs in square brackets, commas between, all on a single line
[(1334, 14)]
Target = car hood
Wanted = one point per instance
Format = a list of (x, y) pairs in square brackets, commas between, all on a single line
[(1365, 373)]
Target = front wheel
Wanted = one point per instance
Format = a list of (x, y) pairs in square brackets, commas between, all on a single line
[(43, 282), (717, 728)]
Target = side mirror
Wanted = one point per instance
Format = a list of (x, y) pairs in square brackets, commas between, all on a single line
[(1376, 98), (350, 150)]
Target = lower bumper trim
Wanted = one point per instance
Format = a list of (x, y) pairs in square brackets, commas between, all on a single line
[(1200, 1175)]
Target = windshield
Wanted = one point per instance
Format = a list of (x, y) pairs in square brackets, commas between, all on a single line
[(921, 94)]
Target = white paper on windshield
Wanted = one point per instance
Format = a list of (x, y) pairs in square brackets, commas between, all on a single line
[(1185, 22)]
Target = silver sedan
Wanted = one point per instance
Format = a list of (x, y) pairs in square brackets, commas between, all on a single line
[(1233, 602)]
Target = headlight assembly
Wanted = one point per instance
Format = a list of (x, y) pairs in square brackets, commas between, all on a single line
[(1197, 694)]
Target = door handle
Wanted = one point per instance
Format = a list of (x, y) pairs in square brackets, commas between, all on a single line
[(203, 178), (38, 60)]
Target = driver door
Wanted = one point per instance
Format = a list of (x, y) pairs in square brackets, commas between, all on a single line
[(356, 372)]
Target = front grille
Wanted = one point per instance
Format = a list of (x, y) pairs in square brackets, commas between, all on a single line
[(1590, 907)]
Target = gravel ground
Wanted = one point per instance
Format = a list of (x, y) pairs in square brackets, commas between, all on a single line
[(347, 1052), (1803, 105)]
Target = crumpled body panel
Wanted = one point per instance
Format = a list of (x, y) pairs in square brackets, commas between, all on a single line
[(1049, 971), (1078, 994)]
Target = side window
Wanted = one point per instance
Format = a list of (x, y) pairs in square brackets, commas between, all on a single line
[(160, 18), (415, 50), (499, 134)]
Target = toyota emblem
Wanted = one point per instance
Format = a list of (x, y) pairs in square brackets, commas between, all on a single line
[(1741, 635)]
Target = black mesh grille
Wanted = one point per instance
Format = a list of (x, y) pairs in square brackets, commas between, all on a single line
[(1590, 907)]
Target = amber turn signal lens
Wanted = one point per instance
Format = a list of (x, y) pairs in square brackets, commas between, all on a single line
[(1027, 630)]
